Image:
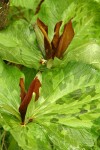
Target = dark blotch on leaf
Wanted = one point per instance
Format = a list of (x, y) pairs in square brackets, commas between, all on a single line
[(62, 86), (78, 117), (82, 111), (93, 107), (93, 104), (76, 94), (60, 102), (91, 91), (97, 121), (54, 120)]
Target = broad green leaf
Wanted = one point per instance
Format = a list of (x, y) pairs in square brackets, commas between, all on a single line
[(9, 90), (86, 43), (18, 45), (74, 91), (29, 136), (70, 98), (65, 138), (68, 107)]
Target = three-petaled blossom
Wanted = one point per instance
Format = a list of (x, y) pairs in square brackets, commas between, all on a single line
[(59, 43)]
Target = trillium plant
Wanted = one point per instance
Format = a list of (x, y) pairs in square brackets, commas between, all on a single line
[(49, 75)]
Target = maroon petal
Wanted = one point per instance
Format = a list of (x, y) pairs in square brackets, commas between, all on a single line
[(55, 40), (65, 39), (42, 26), (47, 43), (22, 88), (34, 87)]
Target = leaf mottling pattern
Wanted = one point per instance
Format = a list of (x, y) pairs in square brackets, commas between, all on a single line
[(68, 106), (73, 95)]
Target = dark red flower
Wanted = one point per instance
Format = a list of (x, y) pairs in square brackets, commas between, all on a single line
[(27, 96), (59, 43)]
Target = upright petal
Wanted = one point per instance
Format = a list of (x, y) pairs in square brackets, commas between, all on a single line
[(65, 39), (47, 43), (56, 36), (22, 88), (34, 87)]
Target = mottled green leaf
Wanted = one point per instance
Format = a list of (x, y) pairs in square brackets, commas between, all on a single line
[(68, 107), (71, 95), (18, 45)]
